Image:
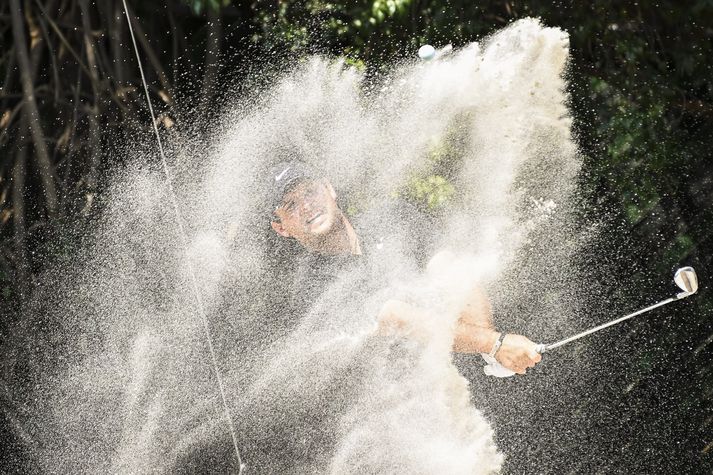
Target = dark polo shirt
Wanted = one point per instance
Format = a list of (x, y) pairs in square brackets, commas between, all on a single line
[(297, 424)]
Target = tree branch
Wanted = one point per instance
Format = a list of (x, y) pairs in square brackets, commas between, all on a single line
[(19, 172), (152, 57), (6, 126), (63, 39), (53, 62), (116, 36), (45, 167), (93, 110), (9, 75)]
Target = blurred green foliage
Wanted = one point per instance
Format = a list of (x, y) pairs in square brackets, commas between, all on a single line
[(432, 192), (433, 187), (200, 6), (641, 83)]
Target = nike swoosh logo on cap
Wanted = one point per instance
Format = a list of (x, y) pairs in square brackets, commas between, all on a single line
[(278, 177)]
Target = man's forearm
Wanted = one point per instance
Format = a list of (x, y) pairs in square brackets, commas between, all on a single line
[(470, 338), (476, 310), (402, 318), (475, 332)]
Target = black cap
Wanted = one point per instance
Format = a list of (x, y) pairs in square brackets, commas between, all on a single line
[(284, 176)]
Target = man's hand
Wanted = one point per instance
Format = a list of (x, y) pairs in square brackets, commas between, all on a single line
[(518, 353)]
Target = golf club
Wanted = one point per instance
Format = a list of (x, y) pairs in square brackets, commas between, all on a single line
[(685, 278)]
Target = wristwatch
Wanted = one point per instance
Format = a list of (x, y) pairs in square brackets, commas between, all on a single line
[(496, 346)]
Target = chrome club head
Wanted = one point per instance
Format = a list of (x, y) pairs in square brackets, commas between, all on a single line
[(686, 279)]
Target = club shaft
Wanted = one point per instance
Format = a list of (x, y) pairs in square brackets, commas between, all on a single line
[(606, 325)]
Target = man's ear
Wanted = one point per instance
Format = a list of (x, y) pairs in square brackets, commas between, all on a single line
[(279, 229)]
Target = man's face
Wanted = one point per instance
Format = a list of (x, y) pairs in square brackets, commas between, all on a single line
[(308, 212)]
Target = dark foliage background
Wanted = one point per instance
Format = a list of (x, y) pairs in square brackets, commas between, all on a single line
[(642, 99)]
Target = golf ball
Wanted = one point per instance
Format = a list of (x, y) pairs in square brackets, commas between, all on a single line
[(426, 52)]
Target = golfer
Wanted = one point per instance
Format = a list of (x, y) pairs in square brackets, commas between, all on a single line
[(304, 208)]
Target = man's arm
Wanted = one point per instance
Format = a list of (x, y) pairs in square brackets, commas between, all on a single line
[(403, 319), (475, 333)]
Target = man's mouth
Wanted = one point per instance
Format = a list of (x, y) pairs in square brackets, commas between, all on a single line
[(314, 217)]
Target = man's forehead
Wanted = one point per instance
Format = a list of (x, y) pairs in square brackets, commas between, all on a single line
[(294, 191)]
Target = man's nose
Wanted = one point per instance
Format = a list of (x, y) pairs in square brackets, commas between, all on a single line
[(306, 204)]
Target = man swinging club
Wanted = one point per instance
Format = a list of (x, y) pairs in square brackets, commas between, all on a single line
[(304, 208)]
